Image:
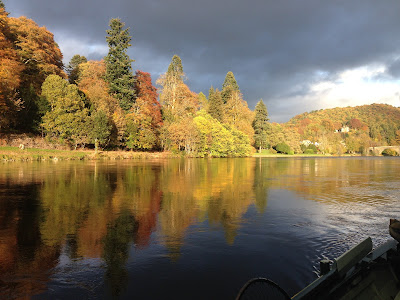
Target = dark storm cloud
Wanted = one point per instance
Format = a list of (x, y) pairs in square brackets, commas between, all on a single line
[(276, 49), (394, 68)]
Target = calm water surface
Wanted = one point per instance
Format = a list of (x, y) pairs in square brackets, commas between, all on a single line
[(184, 229)]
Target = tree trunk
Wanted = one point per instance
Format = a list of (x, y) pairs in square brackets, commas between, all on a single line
[(96, 145)]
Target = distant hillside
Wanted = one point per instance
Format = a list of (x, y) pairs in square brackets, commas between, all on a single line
[(379, 124)]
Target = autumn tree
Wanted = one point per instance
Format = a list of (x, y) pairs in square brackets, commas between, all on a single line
[(203, 101), (176, 98), (397, 139), (91, 82), (357, 124), (261, 125), (229, 87), (41, 57), (214, 139), (181, 135), (73, 69), (216, 105), (37, 50), (144, 118), (119, 65), (10, 74), (238, 115), (170, 82), (67, 120)]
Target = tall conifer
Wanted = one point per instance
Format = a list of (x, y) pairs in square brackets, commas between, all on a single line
[(73, 70), (229, 86), (261, 125), (215, 108), (118, 64), (175, 70)]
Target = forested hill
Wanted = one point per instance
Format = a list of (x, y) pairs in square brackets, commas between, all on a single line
[(373, 124), (372, 116)]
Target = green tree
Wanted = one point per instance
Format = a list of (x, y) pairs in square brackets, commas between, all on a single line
[(175, 70), (73, 69), (214, 139), (229, 87), (261, 126), (219, 140), (53, 89), (241, 142), (100, 128), (119, 66), (216, 107), (2, 5), (116, 243), (67, 119), (283, 148)]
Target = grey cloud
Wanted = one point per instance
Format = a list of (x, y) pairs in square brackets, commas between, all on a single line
[(274, 48), (394, 68)]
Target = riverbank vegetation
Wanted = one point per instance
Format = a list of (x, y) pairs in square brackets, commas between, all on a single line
[(10, 154), (104, 105)]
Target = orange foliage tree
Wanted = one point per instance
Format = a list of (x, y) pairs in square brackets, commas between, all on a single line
[(144, 118), (37, 50), (28, 55), (10, 71), (91, 82)]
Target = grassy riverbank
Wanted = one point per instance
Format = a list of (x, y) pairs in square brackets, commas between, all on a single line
[(36, 154), (268, 153)]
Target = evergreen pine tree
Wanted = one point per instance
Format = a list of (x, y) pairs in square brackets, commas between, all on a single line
[(261, 125), (215, 108), (174, 94), (118, 65), (175, 70), (211, 92), (2, 5), (73, 68), (229, 86)]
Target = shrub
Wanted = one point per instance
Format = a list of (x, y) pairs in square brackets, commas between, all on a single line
[(282, 148), (309, 151), (272, 151), (389, 152), (313, 148)]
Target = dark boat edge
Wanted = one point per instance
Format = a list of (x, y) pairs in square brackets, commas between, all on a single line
[(346, 267)]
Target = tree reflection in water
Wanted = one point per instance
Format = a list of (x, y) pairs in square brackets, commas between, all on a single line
[(99, 210), (116, 251)]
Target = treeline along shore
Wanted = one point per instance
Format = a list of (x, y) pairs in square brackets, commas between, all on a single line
[(103, 106)]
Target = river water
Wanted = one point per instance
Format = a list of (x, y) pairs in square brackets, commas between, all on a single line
[(185, 228)]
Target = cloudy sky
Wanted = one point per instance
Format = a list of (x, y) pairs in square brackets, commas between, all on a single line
[(297, 55)]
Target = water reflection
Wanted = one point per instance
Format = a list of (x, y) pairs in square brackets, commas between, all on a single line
[(101, 210)]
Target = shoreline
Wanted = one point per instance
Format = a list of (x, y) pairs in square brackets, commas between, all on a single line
[(14, 154)]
